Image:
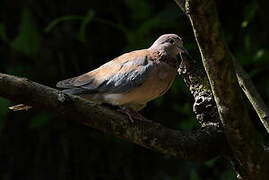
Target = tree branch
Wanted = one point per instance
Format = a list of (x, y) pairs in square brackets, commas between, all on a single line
[(200, 145), (218, 62), (247, 86), (252, 94)]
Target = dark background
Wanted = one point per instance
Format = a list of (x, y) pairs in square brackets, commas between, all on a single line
[(47, 41)]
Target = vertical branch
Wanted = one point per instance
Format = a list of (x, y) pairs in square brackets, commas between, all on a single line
[(218, 62)]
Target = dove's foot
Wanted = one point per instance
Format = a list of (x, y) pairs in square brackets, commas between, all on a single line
[(132, 114)]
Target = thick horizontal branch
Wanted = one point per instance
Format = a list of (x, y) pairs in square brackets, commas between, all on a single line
[(200, 145)]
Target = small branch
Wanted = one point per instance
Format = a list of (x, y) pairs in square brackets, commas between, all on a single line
[(252, 94), (181, 4), (200, 145)]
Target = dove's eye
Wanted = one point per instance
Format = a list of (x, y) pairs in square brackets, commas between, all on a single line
[(171, 41)]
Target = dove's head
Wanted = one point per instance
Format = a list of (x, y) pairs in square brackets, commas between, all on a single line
[(171, 44)]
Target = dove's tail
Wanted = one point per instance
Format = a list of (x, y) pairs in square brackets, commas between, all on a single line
[(20, 107)]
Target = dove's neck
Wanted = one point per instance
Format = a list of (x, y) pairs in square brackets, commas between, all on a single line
[(165, 55), (164, 50)]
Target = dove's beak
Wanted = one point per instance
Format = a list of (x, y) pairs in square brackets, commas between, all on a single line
[(183, 51)]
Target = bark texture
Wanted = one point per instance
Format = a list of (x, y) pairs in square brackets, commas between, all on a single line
[(248, 155), (196, 80)]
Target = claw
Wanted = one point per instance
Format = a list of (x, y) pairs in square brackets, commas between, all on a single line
[(132, 114)]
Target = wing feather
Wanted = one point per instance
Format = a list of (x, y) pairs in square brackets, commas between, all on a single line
[(119, 75)]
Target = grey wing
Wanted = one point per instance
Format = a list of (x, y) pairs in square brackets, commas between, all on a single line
[(113, 77), (132, 74), (90, 79)]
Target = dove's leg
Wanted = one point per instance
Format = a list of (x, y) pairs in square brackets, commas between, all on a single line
[(132, 114)]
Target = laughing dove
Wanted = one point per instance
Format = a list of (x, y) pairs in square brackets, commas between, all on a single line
[(132, 79)]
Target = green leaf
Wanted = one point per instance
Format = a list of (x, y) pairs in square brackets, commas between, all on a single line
[(194, 175), (141, 35), (139, 9), (244, 24), (250, 11), (259, 54), (189, 124), (86, 20), (247, 42), (83, 27), (3, 35), (211, 162), (4, 104), (117, 26), (55, 22), (19, 70), (159, 101), (40, 120), (29, 38), (228, 175)]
